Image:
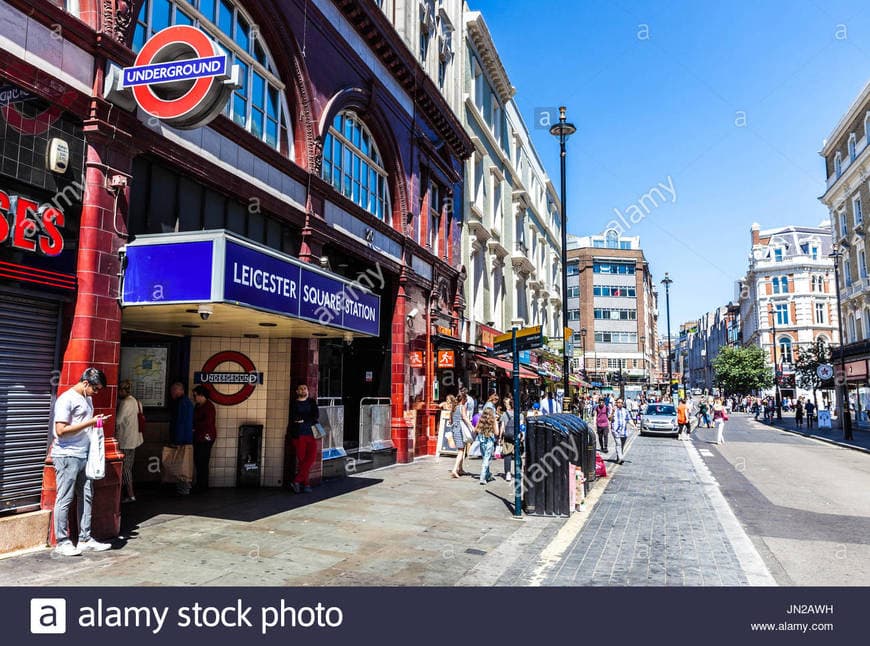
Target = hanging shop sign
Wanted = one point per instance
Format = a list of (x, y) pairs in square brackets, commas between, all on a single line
[(446, 359), (182, 77), (247, 378), (486, 336), (416, 359), (209, 267)]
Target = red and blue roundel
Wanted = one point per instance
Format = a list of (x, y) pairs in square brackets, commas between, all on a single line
[(182, 77)]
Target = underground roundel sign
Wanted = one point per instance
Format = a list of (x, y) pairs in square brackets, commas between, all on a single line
[(182, 77), (245, 378)]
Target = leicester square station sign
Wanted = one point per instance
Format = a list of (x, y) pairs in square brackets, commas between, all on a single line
[(182, 77)]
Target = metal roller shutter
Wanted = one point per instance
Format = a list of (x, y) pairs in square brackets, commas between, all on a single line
[(28, 357)]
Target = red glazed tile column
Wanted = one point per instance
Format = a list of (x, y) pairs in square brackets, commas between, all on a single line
[(304, 368), (398, 369), (95, 335)]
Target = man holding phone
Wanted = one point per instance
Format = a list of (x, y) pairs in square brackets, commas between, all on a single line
[(73, 416)]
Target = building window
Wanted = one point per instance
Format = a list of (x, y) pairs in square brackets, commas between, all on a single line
[(814, 252), (853, 331), (844, 232), (352, 164), (573, 268), (616, 337), (574, 291), (866, 323), (477, 74), (435, 205), (573, 315), (852, 146), (611, 239), (820, 313), (613, 268), (614, 315), (258, 105), (858, 215), (785, 355), (775, 283), (598, 244), (624, 244), (782, 314), (495, 117), (847, 271), (862, 264), (838, 164), (617, 291), (784, 282), (777, 254)]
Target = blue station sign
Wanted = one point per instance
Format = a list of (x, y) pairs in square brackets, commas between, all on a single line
[(215, 267), (187, 70)]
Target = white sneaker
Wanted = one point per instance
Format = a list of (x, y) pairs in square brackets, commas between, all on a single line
[(93, 545), (67, 549)]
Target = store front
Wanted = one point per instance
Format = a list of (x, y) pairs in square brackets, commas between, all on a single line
[(40, 206), (213, 303)]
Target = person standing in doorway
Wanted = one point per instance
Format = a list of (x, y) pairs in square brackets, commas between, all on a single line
[(127, 433), (73, 416), (181, 424), (204, 435), (303, 416)]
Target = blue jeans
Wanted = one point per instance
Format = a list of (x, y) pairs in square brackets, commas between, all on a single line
[(71, 482), (487, 446)]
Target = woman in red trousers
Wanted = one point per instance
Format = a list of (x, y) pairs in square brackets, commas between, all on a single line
[(303, 415)]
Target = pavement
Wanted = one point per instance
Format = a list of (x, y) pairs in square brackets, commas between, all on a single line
[(658, 519), (860, 437)]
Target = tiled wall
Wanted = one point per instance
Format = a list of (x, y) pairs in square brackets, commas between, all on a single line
[(266, 406)]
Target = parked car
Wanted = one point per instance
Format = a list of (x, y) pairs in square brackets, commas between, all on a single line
[(659, 419)]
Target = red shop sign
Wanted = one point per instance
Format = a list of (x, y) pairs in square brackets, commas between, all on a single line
[(30, 226)]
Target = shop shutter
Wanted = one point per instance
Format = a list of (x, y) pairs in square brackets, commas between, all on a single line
[(28, 349)]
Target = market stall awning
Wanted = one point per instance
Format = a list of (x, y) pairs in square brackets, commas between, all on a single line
[(508, 367)]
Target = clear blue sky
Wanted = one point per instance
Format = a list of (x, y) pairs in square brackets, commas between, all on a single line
[(657, 90)]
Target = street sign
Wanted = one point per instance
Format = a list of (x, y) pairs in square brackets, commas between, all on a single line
[(446, 359), (825, 371), (527, 339)]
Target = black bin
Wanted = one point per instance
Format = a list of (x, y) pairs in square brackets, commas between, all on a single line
[(584, 446), (249, 455), (550, 449)]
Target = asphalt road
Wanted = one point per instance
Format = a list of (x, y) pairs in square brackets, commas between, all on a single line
[(805, 504)]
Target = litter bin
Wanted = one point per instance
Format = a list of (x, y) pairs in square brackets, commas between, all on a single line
[(583, 454), (249, 455), (549, 452)]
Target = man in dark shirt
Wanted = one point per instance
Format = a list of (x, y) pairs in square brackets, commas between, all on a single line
[(181, 425)]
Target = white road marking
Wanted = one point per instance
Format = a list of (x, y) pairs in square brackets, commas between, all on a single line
[(707, 453)]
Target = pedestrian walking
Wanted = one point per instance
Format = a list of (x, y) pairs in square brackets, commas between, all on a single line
[(619, 430), (128, 435), (204, 435), (811, 413), (799, 413), (507, 436), (486, 432), (683, 422), (602, 424), (455, 420), (720, 416), (304, 414), (73, 416)]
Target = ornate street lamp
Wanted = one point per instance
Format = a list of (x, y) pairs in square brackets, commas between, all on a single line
[(563, 130), (846, 414), (667, 283)]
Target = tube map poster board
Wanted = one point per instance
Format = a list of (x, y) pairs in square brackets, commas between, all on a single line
[(146, 368)]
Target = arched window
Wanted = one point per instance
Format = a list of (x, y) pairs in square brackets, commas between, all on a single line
[(785, 355), (775, 282), (785, 284), (258, 105), (611, 239), (852, 142), (838, 164), (352, 164)]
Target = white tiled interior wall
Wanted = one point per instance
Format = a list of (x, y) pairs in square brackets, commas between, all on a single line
[(267, 405)]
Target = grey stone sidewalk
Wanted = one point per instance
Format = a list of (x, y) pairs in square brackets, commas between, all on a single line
[(661, 521), (404, 525), (860, 436)]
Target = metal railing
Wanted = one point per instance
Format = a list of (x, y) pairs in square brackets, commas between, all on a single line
[(332, 419), (374, 424)]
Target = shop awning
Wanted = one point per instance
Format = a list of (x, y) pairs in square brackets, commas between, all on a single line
[(576, 381), (508, 367)]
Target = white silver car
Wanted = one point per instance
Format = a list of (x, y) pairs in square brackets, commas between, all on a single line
[(659, 419)]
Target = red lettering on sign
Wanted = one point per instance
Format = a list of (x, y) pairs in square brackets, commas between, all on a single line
[(51, 243), (4, 213), (24, 233)]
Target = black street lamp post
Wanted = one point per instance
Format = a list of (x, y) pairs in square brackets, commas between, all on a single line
[(563, 130), (836, 254), (667, 283), (776, 373)]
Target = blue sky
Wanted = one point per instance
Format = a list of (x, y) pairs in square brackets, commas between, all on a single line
[(730, 100)]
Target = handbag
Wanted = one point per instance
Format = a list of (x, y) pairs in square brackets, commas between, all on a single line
[(177, 463), (95, 468), (467, 435), (318, 431)]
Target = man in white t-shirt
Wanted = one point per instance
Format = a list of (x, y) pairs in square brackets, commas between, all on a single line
[(550, 405), (73, 416)]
